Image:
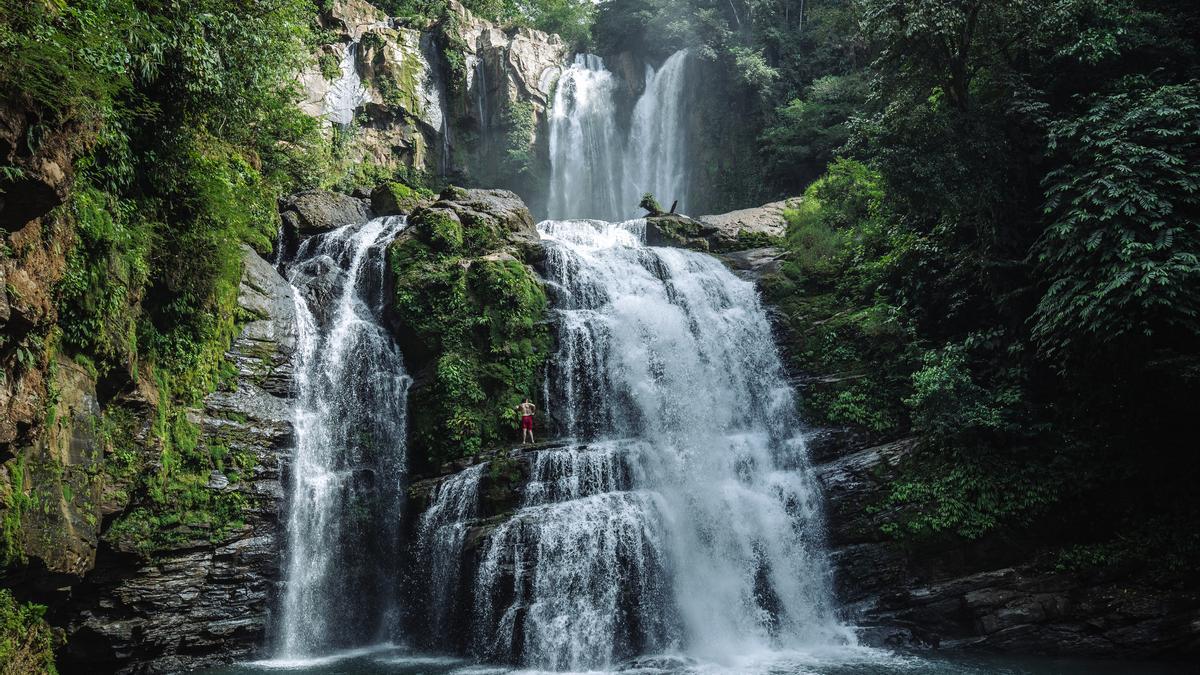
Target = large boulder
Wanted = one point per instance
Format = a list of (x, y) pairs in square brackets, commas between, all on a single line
[(313, 211), (762, 221)]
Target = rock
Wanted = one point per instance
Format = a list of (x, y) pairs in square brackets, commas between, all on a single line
[(501, 211), (678, 230), (425, 111), (265, 348), (42, 176), (59, 536), (393, 198), (975, 595), (351, 18), (217, 480), (756, 228), (313, 211), (205, 603), (755, 264), (765, 220)]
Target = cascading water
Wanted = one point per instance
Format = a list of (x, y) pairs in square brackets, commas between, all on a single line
[(441, 532), (585, 148), (656, 153), (689, 522), (347, 472), (347, 93), (597, 173)]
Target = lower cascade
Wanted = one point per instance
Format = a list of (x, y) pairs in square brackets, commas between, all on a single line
[(681, 516), (343, 525)]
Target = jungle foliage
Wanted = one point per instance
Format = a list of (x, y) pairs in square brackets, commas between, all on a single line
[(998, 249), (183, 128)]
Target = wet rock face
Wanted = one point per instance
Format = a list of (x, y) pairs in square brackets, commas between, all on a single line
[(440, 97), (44, 177), (205, 602)]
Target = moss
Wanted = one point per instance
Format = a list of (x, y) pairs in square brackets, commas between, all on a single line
[(392, 197), (27, 642), (17, 499), (519, 123), (479, 324), (397, 79), (174, 505), (331, 69)]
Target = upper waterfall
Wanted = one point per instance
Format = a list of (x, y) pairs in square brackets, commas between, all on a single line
[(598, 172), (346, 93)]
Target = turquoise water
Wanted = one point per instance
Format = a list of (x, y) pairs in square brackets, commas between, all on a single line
[(391, 660)]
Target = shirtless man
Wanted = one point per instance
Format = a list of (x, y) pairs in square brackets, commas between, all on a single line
[(526, 410)]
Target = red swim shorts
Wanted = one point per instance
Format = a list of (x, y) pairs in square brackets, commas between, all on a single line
[(527, 422)]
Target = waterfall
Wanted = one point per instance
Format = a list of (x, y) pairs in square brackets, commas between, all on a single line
[(441, 532), (595, 171), (656, 154), (347, 471), (347, 93), (689, 520), (585, 149)]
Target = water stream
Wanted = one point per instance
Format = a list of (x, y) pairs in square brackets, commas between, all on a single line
[(688, 520), (347, 93), (347, 471), (597, 169)]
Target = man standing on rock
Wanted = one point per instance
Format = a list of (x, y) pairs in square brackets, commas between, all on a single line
[(526, 410)]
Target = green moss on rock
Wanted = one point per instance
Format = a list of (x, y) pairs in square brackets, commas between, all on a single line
[(27, 642), (472, 314), (391, 198)]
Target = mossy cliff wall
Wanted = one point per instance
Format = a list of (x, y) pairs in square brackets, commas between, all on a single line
[(138, 494), (449, 96), (470, 313)]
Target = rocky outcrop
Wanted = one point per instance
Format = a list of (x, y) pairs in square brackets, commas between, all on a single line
[(986, 595), (766, 220), (468, 310), (314, 211), (755, 264), (38, 175), (760, 227), (449, 98), (204, 601), (34, 242)]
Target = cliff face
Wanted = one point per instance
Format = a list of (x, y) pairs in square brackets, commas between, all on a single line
[(204, 600), (76, 445), (459, 97), (990, 595)]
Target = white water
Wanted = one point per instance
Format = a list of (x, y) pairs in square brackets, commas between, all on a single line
[(347, 471), (598, 172), (441, 531), (690, 520), (347, 93)]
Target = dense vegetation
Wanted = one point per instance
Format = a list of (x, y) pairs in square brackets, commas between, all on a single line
[(472, 320), (571, 19), (1005, 259), (182, 131)]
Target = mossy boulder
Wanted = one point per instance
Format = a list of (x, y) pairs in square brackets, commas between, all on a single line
[(393, 198), (470, 313)]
